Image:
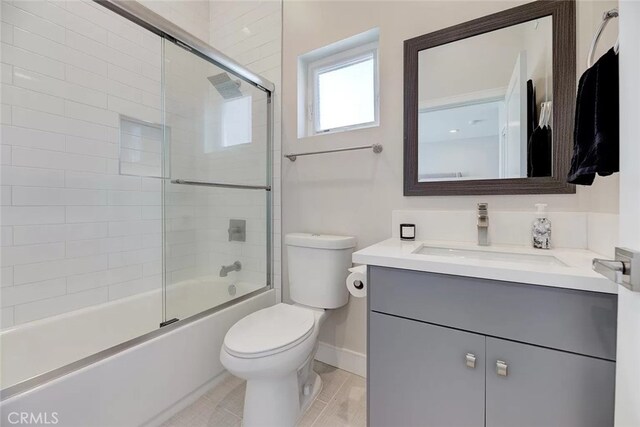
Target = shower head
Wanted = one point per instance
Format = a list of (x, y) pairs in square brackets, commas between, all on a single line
[(228, 88)]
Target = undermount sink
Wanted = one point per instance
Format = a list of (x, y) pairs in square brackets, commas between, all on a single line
[(475, 254)]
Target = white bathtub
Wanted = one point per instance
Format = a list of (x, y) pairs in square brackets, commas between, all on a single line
[(37, 347), (141, 385)]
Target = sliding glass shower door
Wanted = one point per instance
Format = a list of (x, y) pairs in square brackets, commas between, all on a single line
[(216, 193), (135, 184)]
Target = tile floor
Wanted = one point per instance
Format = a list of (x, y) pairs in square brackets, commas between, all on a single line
[(341, 403)]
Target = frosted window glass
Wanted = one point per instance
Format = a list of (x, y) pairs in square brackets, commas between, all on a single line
[(346, 95), (236, 121)]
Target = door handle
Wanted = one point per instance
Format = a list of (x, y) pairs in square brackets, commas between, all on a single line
[(611, 269), (624, 269)]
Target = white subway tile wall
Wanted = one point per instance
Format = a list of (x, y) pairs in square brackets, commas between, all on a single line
[(193, 17), (75, 232), (251, 33)]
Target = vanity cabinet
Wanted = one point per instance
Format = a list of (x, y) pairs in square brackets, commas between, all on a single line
[(458, 351), (419, 375)]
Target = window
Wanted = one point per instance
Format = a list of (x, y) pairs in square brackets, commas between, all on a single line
[(236, 121), (339, 86)]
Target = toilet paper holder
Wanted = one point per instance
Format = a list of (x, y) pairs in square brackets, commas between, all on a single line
[(357, 281)]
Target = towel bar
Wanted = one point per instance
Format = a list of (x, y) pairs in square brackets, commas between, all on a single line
[(377, 148)]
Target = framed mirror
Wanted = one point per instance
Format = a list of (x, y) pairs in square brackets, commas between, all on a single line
[(489, 104)]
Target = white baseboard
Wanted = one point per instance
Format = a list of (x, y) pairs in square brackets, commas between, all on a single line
[(186, 401), (342, 358)]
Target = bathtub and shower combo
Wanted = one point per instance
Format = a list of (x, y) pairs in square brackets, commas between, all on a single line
[(179, 248)]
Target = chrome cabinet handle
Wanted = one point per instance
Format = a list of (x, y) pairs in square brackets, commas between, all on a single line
[(502, 368), (470, 359)]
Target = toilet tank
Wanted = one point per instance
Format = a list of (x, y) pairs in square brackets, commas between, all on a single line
[(317, 266)]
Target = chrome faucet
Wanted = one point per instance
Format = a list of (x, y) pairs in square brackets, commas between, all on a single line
[(226, 269), (483, 224)]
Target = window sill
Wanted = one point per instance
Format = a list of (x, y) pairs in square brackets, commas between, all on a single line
[(342, 130)]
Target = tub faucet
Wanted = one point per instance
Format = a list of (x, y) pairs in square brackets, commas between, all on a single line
[(483, 224), (236, 266)]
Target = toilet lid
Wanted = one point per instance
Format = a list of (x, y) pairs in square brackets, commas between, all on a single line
[(269, 331)]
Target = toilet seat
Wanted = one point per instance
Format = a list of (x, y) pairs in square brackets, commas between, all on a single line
[(269, 331)]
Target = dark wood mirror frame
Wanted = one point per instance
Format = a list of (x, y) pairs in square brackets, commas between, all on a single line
[(564, 94)]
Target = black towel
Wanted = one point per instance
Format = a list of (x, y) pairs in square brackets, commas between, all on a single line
[(539, 152), (532, 110), (531, 119), (596, 141)]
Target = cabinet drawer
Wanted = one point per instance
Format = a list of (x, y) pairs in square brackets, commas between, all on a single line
[(565, 319)]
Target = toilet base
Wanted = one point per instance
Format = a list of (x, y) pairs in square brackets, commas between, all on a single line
[(315, 390), (279, 402)]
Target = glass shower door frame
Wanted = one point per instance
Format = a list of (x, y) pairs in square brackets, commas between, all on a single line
[(168, 179)]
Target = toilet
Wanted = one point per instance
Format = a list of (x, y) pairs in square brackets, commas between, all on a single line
[(273, 348)]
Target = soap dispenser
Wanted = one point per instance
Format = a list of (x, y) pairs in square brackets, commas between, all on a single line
[(541, 232)]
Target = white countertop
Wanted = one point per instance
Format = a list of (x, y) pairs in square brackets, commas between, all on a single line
[(577, 274)]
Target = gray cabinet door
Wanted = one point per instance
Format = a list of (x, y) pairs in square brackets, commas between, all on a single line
[(417, 375), (547, 388)]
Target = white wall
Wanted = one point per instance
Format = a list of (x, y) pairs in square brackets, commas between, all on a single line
[(473, 157), (539, 45), (444, 70), (354, 193)]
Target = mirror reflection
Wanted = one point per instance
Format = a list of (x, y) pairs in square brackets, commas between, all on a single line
[(485, 105)]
